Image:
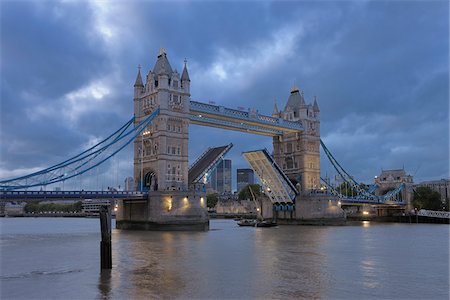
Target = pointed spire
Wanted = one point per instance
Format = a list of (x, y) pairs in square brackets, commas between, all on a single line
[(185, 75), (294, 89), (275, 108), (138, 78), (302, 98), (315, 105)]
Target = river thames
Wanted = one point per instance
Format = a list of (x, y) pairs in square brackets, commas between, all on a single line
[(58, 258)]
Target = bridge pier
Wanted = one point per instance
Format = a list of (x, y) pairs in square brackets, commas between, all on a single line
[(309, 210), (164, 210)]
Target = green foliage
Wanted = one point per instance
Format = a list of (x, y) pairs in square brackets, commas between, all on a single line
[(346, 189), (245, 194), (211, 200), (426, 198), (36, 207)]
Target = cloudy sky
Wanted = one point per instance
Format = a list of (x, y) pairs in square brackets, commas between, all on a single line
[(379, 69)]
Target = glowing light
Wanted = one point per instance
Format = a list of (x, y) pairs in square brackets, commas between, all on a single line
[(257, 209), (365, 212), (169, 204), (339, 203)]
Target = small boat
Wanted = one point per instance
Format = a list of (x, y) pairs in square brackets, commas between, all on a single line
[(266, 224), (247, 222)]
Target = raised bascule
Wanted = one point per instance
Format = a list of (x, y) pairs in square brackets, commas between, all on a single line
[(170, 195)]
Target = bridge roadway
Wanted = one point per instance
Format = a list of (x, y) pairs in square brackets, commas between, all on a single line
[(69, 195)]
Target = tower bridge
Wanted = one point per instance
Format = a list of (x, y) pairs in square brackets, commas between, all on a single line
[(163, 112)]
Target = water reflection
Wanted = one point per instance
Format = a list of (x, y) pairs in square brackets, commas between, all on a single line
[(291, 262)]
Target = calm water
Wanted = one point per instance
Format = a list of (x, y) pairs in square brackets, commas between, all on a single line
[(59, 258)]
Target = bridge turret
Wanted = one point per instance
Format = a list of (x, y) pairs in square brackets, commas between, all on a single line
[(185, 81), (138, 89), (138, 85), (275, 112)]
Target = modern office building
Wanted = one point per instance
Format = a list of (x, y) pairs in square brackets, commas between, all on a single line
[(244, 177), (220, 179)]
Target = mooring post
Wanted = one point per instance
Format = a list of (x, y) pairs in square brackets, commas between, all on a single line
[(105, 244)]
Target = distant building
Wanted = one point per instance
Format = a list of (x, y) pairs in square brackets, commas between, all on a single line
[(129, 184), (441, 186), (220, 180), (244, 177), (391, 179)]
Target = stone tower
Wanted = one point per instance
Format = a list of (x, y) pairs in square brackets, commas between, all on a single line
[(161, 152), (298, 154)]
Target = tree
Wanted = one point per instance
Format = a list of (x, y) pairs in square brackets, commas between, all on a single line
[(346, 190), (426, 198), (245, 194), (211, 200)]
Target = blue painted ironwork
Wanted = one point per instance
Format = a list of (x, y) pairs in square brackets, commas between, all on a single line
[(362, 195), (82, 162)]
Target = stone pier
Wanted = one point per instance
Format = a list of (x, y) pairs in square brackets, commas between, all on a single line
[(164, 210)]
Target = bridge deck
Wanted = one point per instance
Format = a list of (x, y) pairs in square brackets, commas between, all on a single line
[(276, 184), (207, 161), (69, 195)]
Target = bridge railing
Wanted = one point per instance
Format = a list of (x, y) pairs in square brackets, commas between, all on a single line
[(434, 214)]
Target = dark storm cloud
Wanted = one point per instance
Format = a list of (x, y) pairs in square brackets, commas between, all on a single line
[(379, 70)]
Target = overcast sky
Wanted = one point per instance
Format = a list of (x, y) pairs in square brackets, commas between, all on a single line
[(379, 69)]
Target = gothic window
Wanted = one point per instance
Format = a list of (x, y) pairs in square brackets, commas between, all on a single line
[(289, 163), (289, 147), (156, 83), (168, 150), (178, 150), (175, 83), (173, 150), (168, 127)]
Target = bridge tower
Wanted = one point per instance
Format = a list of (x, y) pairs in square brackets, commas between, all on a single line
[(161, 152), (298, 154)]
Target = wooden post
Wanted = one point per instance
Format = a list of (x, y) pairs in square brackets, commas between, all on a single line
[(105, 244)]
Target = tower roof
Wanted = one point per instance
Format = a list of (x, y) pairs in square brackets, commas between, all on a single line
[(139, 78), (185, 75), (295, 100), (162, 65)]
